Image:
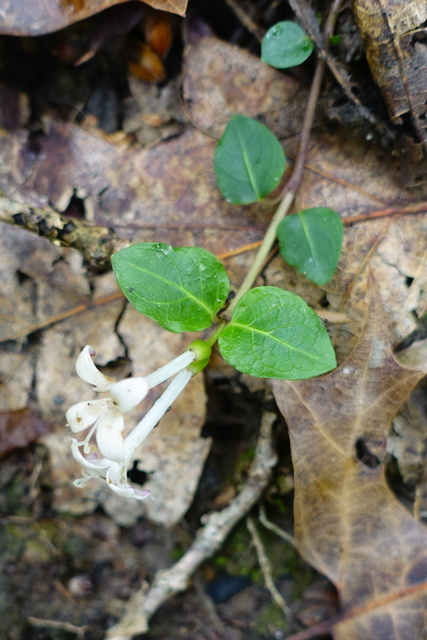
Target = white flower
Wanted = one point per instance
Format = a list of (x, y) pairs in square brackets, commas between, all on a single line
[(113, 472), (104, 416), (104, 420)]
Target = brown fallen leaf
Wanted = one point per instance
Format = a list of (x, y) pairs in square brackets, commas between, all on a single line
[(33, 18), (19, 428), (394, 34), (168, 192), (221, 79), (348, 523)]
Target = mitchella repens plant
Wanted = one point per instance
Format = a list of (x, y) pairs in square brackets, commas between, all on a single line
[(265, 331)]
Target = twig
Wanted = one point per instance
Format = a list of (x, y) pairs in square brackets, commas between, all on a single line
[(58, 317), (410, 209), (274, 528), (307, 16), (266, 568), (146, 601), (58, 624), (294, 182), (97, 244), (208, 604), (246, 20)]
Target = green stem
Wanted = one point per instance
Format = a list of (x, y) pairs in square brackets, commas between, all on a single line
[(293, 184), (215, 335), (263, 251)]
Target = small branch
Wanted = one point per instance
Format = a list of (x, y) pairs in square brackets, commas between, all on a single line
[(146, 601), (96, 244), (409, 209), (266, 568), (58, 624), (274, 528), (246, 20), (294, 181)]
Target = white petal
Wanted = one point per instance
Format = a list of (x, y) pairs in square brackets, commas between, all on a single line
[(83, 415), (116, 480), (129, 392), (88, 475), (87, 371), (109, 434), (93, 464)]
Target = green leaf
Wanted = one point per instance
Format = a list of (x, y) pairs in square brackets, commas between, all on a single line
[(285, 45), (182, 289), (311, 242), (274, 334), (249, 161)]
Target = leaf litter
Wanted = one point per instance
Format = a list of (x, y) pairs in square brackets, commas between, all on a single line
[(346, 516), (348, 523)]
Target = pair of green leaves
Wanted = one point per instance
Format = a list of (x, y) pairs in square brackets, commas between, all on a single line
[(249, 163), (273, 333)]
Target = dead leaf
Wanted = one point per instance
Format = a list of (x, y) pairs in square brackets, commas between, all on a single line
[(221, 79), (407, 444), (356, 179), (34, 18), (19, 428), (348, 524), (394, 35), (168, 192)]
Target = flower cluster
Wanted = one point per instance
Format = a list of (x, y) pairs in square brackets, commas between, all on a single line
[(106, 452)]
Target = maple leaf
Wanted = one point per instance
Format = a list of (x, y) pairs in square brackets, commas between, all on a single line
[(348, 523)]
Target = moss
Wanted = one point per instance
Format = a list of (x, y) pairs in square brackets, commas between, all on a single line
[(37, 552), (15, 493), (12, 540), (271, 620)]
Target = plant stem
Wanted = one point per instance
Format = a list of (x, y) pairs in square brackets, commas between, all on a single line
[(215, 335), (292, 186), (264, 250), (289, 191), (294, 181)]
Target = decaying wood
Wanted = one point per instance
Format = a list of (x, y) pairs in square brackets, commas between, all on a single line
[(96, 244)]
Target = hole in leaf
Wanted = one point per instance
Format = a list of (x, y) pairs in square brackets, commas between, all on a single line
[(417, 574), (324, 302), (364, 455), (22, 277), (75, 208)]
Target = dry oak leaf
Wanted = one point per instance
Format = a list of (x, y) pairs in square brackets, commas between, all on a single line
[(348, 523), (36, 17)]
